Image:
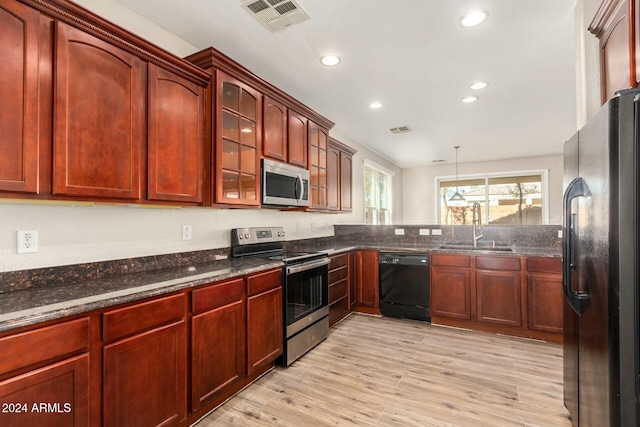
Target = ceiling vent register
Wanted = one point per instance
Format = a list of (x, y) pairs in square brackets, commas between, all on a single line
[(276, 15), (400, 129)]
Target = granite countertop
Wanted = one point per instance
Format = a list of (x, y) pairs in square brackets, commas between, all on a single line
[(39, 304), (35, 305), (515, 250)]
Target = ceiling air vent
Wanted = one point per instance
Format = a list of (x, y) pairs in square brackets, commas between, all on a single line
[(276, 15), (400, 129)]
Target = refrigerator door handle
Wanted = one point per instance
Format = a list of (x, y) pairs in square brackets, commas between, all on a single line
[(577, 300)]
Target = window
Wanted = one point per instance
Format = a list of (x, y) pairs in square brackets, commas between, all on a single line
[(516, 198), (377, 194)]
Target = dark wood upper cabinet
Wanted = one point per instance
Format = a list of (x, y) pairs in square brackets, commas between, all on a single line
[(19, 39), (318, 145), (616, 26), (333, 178), (274, 141), (99, 127), (175, 153), (339, 176), (346, 181), (237, 142), (297, 139)]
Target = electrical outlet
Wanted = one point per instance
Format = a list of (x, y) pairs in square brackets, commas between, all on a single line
[(436, 232), (186, 232), (27, 241), (424, 232), (399, 231), (559, 234)]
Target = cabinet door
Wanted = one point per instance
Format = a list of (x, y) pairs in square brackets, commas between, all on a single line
[(346, 182), (367, 286), (264, 328), (318, 140), (297, 139), (99, 128), (56, 395), (145, 378), (616, 54), (238, 136), (450, 292), (498, 297), (333, 178), (19, 97), (274, 142), (545, 300), (217, 340), (353, 292), (176, 132)]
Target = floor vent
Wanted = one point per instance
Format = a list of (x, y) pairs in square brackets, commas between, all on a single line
[(276, 15), (400, 129)]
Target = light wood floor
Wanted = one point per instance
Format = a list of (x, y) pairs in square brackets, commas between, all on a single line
[(378, 371)]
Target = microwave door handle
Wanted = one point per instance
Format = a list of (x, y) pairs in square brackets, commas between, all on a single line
[(299, 180), (577, 300)]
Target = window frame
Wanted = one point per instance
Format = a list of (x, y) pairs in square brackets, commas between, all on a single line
[(379, 168), (544, 173)]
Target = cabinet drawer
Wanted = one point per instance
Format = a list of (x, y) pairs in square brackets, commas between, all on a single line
[(337, 275), (337, 261), (262, 282), (498, 263), (28, 348), (337, 291), (129, 320), (545, 265), (450, 260), (217, 295)]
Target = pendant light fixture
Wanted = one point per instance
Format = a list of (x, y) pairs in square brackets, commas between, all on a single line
[(457, 197)]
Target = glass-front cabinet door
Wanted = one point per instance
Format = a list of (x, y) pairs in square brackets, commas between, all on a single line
[(238, 133)]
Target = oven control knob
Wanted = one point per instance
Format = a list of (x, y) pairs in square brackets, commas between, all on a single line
[(246, 235), (240, 236), (280, 233)]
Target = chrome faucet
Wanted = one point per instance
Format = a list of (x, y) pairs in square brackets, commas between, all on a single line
[(477, 223)]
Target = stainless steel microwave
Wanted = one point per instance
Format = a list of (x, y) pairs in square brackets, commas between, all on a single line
[(284, 185)]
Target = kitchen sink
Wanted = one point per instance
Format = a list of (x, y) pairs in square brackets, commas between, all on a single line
[(478, 248)]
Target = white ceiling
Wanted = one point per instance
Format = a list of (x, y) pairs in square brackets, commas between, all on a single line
[(415, 58)]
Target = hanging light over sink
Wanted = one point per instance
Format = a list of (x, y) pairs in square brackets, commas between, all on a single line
[(457, 197)]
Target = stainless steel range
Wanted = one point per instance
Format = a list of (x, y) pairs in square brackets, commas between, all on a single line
[(305, 287)]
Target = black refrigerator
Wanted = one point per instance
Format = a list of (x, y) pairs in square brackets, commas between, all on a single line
[(600, 266)]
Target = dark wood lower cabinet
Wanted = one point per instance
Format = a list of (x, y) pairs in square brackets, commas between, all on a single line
[(498, 297), (544, 294), (450, 292), (367, 286), (339, 281), (511, 295), (217, 340), (44, 376), (56, 395), (264, 319), (145, 378)]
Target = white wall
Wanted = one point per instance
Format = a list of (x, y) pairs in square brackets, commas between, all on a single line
[(587, 62), (419, 191), (71, 234)]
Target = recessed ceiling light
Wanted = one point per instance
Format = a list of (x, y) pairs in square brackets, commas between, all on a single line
[(375, 105), (474, 18), (479, 85), (330, 60), (469, 99)]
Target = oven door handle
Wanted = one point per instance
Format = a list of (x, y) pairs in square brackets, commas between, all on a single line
[(307, 266)]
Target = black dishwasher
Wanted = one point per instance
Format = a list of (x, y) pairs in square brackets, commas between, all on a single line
[(404, 285)]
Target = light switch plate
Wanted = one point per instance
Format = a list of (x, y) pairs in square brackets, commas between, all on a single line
[(399, 231), (425, 232), (436, 232)]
